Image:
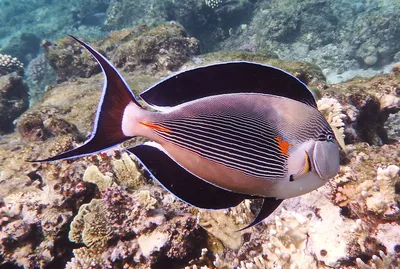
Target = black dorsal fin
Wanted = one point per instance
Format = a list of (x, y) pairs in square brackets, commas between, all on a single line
[(184, 185), (223, 78), (269, 206)]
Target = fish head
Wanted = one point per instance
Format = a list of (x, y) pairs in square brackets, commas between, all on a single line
[(326, 160), (310, 165)]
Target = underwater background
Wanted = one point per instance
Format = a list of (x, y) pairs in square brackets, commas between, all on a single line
[(104, 211)]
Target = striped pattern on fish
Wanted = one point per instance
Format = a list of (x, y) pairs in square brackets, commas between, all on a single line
[(244, 139), (221, 134), (247, 148)]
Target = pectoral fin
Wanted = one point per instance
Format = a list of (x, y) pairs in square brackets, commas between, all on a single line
[(305, 170), (307, 164), (183, 184)]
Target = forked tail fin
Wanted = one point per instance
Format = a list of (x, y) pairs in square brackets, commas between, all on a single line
[(107, 131)]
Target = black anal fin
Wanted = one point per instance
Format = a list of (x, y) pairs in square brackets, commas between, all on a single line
[(183, 184), (269, 206)]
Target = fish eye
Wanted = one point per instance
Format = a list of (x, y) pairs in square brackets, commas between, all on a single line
[(329, 137)]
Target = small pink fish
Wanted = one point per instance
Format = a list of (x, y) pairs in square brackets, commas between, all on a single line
[(221, 134)]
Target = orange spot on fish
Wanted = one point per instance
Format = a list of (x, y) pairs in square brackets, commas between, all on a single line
[(283, 145), (155, 127)]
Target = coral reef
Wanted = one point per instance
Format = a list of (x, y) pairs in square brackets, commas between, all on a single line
[(82, 10), (121, 14), (213, 3), (10, 64), (211, 21), (380, 261), (43, 124), (103, 211), (40, 75), (311, 231), (368, 104), (24, 46), (120, 229), (13, 100), (36, 216), (336, 35), (308, 73), (163, 48), (127, 172), (69, 59), (379, 51), (332, 110)]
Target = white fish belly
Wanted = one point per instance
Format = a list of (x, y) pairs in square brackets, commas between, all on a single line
[(288, 189)]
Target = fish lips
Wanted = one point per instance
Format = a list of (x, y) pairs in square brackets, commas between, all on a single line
[(326, 159)]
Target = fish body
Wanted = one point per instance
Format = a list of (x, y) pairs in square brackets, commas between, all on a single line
[(93, 19), (234, 131), (237, 137)]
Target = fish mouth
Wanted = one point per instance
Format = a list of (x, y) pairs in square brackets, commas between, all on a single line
[(326, 160)]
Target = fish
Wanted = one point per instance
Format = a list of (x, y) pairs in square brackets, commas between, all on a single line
[(93, 19), (219, 134)]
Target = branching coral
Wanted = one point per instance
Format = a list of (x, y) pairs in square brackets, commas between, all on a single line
[(381, 261)]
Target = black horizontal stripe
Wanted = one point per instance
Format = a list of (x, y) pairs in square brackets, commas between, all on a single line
[(243, 130), (254, 143), (212, 147), (255, 123), (261, 144), (240, 143), (229, 122)]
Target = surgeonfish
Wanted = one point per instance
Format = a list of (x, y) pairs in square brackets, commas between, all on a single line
[(220, 134)]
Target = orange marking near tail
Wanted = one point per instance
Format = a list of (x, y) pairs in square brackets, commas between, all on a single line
[(283, 145), (155, 127)]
